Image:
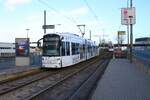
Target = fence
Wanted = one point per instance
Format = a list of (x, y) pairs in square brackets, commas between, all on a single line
[(143, 56), (35, 59)]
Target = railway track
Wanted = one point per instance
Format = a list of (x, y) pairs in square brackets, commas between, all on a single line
[(73, 87), (18, 83), (33, 86), (84, 92), (11, 75), (11, 84)]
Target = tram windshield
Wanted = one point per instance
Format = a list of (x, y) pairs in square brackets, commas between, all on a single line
[(51, 45)]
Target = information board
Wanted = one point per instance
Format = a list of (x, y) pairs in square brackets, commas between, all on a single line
[(22, 47), (128, 16)]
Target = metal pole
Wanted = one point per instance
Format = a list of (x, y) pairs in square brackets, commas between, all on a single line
[(84, 30), (44, 21), (118, 39), (131, 34), (27, 32), (90, 34), (128, 32)]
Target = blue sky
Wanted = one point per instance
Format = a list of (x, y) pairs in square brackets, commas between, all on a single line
[(18, 15)]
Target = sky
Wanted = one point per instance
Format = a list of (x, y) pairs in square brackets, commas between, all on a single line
[(102, 17)]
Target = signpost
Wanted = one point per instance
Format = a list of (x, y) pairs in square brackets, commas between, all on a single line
[(48, 27), (128, 16), (120, 36), (121, 32)]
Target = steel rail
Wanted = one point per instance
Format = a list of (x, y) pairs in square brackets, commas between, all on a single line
[(17, 86), (92, 78)]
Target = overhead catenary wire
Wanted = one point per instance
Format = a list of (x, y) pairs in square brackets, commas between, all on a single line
[(92, 12), (58, 12)]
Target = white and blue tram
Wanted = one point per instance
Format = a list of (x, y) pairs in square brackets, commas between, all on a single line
[(66, 49)]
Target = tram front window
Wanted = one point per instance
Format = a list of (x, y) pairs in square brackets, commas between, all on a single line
[(51, 46)]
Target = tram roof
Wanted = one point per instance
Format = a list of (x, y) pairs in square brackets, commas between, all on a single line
[(68, 34)]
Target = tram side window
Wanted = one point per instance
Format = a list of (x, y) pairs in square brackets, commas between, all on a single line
[(68, 48), (88, 48), (73, 48), (84, 48), (94, 48), (63, 49), (77, 48)]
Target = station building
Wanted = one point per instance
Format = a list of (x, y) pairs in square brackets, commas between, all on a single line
[(143, 40), (7, 49)]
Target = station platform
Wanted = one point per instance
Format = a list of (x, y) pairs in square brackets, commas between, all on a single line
[(122, 81)]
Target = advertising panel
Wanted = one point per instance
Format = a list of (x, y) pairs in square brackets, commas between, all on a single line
[(121, 32), (22, 47)]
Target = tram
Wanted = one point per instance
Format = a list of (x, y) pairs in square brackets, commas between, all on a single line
[(66, 49)]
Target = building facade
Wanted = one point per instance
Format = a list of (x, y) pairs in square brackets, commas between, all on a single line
[(7, 49), (144, 40)]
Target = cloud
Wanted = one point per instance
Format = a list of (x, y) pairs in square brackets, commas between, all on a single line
[(12, 4)]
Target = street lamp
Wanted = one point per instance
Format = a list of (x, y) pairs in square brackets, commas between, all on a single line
[(56, 26), (27, 32)]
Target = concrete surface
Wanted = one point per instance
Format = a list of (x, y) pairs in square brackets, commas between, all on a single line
[(122, 81)]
